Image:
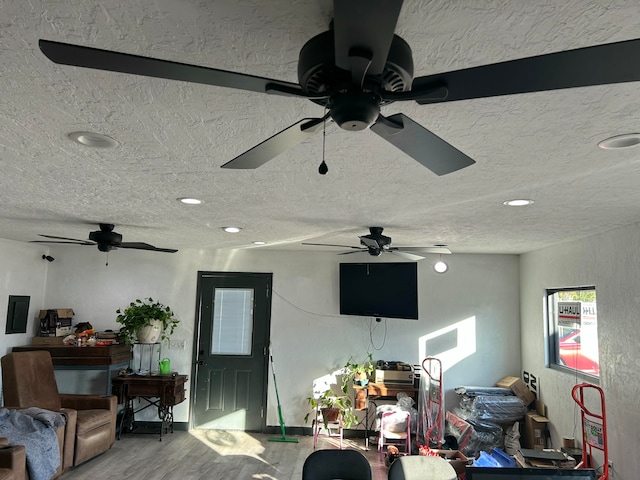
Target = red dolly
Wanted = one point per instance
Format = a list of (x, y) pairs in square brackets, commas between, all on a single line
[(594, 429)]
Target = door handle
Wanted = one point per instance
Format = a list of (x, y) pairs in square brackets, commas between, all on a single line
[(200, 363)]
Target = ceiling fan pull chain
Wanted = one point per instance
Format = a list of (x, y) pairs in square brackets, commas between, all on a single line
[(323, 169)]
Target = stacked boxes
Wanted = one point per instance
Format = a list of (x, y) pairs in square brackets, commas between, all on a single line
[(55, 322)]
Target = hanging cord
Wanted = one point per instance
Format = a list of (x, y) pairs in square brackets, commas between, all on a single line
[(323, 169), (372, 328)]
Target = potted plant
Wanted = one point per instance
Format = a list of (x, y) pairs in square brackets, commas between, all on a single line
[(357, 372), (146, 321), (332, 405)]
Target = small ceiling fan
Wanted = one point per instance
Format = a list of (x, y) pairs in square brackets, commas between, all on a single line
[(106, 240), (375, 244), (359, 65)]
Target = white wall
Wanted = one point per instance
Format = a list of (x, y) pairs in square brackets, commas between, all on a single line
[(309, 338), (22, 272), (479, 296), (611, 262)]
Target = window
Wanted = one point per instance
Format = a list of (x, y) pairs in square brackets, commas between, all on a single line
[(232, 321), (573, 330)]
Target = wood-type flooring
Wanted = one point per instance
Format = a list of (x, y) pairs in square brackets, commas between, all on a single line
[(211, 454)]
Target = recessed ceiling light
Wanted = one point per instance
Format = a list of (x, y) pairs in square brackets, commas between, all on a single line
[(93, 140), (518, 202), (231, 229), (258, 242), (618, 142), (190, 200)]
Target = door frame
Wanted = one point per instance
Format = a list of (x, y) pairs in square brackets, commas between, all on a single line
[(268, 277)]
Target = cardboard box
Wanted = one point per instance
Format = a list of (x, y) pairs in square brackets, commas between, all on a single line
[(518, 387), (60, 313), (456, 459), (53, 319), (47, 341), (534, 433)]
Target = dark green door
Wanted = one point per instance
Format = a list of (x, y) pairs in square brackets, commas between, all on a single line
[(232, 339)]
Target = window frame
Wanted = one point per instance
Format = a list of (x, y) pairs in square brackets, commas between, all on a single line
[(552, 349)]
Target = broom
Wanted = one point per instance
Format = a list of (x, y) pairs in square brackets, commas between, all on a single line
[(283, 438)]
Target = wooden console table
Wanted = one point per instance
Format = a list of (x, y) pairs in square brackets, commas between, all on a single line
[(161, 391), (109, 358), (379, 391)]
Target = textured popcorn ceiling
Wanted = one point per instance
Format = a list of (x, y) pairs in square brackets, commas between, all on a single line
[(174, 136)]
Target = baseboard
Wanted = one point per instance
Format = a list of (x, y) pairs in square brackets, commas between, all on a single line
[(179, 426), (308, 431)]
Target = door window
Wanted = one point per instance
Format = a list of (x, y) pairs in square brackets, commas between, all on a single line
[(232, 321)]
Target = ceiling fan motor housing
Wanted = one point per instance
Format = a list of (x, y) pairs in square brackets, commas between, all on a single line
[(375, 241), (352, 106), (105, 238)]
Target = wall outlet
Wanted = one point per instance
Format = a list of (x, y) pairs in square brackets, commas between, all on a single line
[(177, 344)]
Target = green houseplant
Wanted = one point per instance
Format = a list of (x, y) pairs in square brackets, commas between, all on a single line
[(357, 372), (146, 314), (332, 405)]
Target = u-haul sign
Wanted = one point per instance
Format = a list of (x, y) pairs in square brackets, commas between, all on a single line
[(569, 312)]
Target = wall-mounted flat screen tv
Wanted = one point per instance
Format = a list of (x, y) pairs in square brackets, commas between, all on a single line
[(388, 290)]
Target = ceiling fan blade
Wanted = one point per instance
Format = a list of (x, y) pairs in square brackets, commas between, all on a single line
[(419, 143), (408, 256), (364, 29), (277, 144), (440, 250), (66, 238), (597, 65), (77, 242), (331, 245), (144, 246), (87, 57), (360, 250)]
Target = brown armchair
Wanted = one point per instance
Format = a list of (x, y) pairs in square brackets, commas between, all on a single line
[(12, 461), (28, 381)]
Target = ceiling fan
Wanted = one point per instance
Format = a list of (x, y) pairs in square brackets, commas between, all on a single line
[(375, 244), (106, 240), (359, 65)]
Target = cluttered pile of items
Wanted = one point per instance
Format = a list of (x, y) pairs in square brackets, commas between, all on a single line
[(502, 427), (56, 329)]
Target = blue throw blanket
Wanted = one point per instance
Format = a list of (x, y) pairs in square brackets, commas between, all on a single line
[(35, 429)]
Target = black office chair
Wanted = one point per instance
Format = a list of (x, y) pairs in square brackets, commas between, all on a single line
[(332, 464), (421, 468)]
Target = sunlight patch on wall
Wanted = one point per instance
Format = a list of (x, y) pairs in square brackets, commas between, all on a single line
[(450, 344), (328, 381)]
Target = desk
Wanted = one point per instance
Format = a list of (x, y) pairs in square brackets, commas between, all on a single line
[(161, 391), (379, 391), (109, 358)]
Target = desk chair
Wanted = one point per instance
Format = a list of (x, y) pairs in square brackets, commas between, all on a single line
[(332, 464), (421, 468)]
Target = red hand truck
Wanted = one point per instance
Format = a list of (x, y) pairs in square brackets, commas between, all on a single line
[(594, 429)]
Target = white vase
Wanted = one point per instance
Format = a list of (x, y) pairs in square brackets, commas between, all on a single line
[(150, 333)]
